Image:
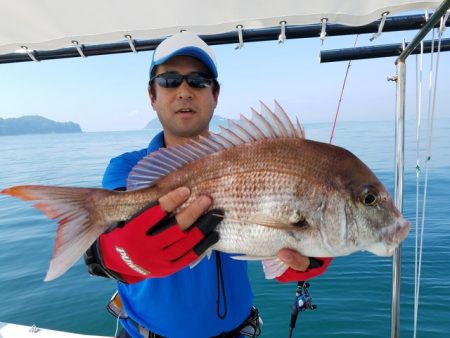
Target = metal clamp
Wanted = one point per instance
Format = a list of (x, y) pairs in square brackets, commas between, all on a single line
[(131, 43), (240, 36), (79, 48), (30, 53), (323, 32), (380, 27), (282, 36)]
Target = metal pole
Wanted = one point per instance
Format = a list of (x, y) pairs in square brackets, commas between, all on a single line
[(399, 155), (399, 169)]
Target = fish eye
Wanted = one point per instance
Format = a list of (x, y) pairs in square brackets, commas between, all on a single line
[(370, 199)]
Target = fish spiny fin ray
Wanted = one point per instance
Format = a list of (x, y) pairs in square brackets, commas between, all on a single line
[(262, 125), (72, 208), (273, 267), (285, 120)]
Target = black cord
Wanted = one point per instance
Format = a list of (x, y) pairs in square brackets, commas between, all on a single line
[(292, 331), (220, 288)]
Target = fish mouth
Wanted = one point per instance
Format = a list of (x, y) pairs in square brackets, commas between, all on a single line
[(396, 233), (391, 237)]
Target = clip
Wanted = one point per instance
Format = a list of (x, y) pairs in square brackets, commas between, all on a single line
[(30, 53), (241, 38), (131, 43), (323, 32), (380, 27), (282, 36), (79, 48)]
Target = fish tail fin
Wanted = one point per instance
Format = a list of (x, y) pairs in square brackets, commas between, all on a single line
[(79, 225)]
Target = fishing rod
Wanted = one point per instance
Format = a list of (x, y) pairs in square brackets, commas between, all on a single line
[(302, 302)]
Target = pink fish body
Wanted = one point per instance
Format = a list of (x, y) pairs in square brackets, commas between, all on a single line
[(278, 190)]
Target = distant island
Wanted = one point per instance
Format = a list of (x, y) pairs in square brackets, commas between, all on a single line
[(216, 120), (35, 124)]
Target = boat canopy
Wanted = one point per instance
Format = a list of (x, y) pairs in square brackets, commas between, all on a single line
[(54, 24)]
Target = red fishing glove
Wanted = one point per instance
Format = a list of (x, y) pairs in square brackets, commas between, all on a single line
[(152, 244), (317, 266)]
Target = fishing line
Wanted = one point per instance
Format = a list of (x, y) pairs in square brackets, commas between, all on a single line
[(342, 94), (117, 327), (433, 76)]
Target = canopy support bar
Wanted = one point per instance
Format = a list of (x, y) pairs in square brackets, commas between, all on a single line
[(392, 24), (375, 52)]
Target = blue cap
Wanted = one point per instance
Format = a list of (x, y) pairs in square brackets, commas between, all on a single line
[(185, 43)]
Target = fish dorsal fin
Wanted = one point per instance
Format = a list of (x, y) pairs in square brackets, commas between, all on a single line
[(263, 125)]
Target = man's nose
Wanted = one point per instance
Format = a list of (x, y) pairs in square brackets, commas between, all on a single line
[(185, 91)]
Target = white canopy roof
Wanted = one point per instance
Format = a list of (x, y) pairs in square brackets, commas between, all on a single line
[(53, 24)]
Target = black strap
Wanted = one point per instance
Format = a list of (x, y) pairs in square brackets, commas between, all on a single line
[(93, 259), (220, 289)]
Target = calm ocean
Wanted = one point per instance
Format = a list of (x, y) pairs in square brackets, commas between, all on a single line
[(353, 297)]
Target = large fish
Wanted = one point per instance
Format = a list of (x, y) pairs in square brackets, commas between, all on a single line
[(278, 190)]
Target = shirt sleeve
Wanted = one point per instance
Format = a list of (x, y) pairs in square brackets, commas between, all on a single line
[(119, 167)]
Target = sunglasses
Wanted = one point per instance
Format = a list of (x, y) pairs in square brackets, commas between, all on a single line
[(174, 80)]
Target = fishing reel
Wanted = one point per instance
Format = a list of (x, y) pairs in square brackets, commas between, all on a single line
[(303, 302)]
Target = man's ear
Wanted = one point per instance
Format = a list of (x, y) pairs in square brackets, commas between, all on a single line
[(216, 98), (152, 98)]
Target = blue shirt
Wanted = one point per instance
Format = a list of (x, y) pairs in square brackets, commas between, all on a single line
[(190, 303)]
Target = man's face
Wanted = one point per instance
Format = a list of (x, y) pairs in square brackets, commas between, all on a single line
[(184, 111)]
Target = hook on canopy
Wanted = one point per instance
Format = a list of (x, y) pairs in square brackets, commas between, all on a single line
[(380, 27), (131, 43), (30, 53), (282, 36), (240, 36), (79, 48), (323, 32)]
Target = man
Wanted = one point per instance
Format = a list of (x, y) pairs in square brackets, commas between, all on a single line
[(161, 295)]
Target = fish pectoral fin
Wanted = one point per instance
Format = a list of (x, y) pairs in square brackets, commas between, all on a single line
[(274, 267), (206, 254), (270, 221)]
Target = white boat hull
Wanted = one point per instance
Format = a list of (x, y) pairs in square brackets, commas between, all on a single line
[(8, 330)]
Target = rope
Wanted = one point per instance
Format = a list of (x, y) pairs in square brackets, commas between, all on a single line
[(342, 94), (419, 70), (431, 112)]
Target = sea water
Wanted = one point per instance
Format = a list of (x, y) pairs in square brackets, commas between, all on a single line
[(353, 297)]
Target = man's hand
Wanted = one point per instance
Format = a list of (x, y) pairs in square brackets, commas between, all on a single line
[(157, 244), (301, 268), (293, 259)]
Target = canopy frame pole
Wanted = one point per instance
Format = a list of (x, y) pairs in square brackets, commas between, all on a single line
[(398, 190), (399, 154)]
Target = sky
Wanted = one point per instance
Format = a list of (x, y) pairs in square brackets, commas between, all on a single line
[(109, 93)]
